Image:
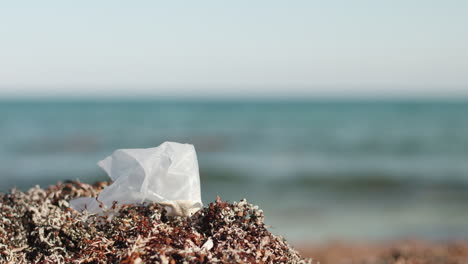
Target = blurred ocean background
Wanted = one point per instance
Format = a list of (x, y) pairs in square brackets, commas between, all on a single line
[(321, 170)]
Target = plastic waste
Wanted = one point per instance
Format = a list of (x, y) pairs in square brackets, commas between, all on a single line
[(167, 174)]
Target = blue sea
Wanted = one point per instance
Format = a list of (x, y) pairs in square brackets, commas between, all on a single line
[(321, 170)]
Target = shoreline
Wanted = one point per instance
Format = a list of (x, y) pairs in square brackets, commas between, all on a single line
[(414, 251)]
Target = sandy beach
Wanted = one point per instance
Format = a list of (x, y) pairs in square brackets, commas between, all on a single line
[(398, 252)]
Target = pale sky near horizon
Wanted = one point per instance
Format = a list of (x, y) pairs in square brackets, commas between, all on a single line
[(239, 47)]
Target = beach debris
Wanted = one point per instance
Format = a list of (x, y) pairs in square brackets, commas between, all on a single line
[(167, 174), (208, 244), (38, 226)]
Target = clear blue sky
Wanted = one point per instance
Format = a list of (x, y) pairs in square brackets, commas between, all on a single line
[(233, 47)]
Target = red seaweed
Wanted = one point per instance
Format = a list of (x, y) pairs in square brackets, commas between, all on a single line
[(38, 226)]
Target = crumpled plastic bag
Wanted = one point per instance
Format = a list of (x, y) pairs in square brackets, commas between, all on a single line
[(167, 174)]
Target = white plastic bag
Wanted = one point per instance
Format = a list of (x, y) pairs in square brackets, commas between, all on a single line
[(167, 174)]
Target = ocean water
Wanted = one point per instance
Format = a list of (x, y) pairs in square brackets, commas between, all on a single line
[(321, 170)]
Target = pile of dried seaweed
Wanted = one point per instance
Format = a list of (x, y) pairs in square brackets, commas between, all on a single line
[(38, 226)]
